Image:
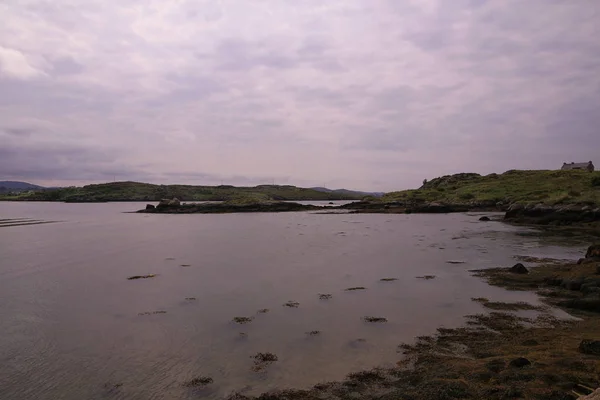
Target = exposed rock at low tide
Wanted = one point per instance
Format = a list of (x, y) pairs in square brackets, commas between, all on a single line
[(141, 277), (543, 214), (518, 269), (175, 207)]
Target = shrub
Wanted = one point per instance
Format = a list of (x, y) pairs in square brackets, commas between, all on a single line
[(596, 181)]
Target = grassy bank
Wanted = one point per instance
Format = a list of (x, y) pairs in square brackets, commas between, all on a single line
[(549, 187), (135, 191)]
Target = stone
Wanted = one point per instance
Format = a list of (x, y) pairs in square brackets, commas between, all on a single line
[(520, 362), (174, 202), (593, 251), (518, 269), (485, 219), (590, 347), (150, 207)]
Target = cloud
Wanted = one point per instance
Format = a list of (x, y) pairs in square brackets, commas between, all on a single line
[(370, 95), (14, 64)]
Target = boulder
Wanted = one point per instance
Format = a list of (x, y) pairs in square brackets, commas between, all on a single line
[(593, 251), (484, 218), (164, 203), (518, 269), (175, 202), (150, 207), (590, 347), (520, 362)]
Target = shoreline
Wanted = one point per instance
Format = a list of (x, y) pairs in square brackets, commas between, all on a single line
[(515, 350)]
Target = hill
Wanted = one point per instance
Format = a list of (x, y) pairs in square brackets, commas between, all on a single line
[(515, 186), (17, 186), (135, 191), (348, 192)]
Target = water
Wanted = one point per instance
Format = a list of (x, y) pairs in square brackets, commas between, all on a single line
[(69, 317)]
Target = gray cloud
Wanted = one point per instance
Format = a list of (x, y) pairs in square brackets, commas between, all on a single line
[(371, 95)]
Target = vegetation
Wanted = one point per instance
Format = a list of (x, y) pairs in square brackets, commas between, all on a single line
[(515, 186), (135, 191)]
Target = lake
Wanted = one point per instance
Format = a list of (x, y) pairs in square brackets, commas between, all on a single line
[(71, 324)]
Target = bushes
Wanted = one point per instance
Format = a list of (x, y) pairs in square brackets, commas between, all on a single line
[(596, 181)]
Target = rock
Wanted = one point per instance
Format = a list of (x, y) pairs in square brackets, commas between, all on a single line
[(520, 362), (593, 251), (150, 207), (518, 269), (590, 347), (163, 203), (175, 202), (484, 219)]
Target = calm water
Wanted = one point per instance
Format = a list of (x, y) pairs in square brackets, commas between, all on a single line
[(69, 319)]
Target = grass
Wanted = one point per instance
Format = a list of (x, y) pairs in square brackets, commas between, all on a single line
[(515, 186), (136, 191)]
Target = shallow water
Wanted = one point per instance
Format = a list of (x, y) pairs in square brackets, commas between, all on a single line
[(69, 317)]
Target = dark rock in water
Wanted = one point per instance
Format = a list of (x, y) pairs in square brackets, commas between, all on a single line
[(590, 347), (331, 202), (426, 277), (388, 279), (313, 333), (518, 269), (262, 360), (141, 276), (520, 362), (350, 289), (455, 262), (152, 312), (325, 296), (263, 311), (593, 252), (150, 207), (242, 320), (375, 319), (199, 382), (484, 219), (291, 304)]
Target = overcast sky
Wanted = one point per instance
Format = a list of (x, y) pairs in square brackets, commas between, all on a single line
[(363, 94)]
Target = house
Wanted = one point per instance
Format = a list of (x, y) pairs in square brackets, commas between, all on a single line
[(589, 166)]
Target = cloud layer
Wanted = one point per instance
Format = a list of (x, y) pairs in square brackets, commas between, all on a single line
[(373, 95)]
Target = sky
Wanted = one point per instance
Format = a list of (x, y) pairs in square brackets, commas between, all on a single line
[(364, 94)]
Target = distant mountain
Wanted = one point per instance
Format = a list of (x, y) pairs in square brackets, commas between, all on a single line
[(347, 192), (16, 186)]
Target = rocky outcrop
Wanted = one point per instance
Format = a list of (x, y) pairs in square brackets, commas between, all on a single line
[(420, 207), (518, 269), (174, 207), (593, 252), (543, 214)]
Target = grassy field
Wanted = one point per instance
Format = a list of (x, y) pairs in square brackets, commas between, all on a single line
[(515, 186), (134, 191)]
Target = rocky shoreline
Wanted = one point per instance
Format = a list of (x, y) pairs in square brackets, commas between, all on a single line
[(174, 206), (585, 215), (502, 354)]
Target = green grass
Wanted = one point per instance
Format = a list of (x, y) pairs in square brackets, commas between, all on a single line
[(134, 191), (515, 186)]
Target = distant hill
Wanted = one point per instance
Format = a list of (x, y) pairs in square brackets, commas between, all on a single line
[(348, 192), (16, 186), (515, 186), (136, 191)]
